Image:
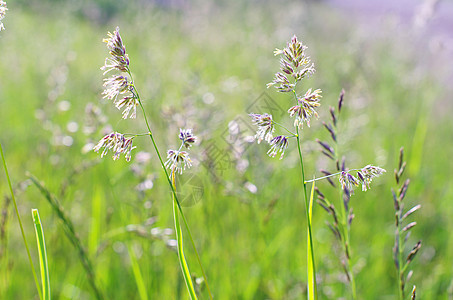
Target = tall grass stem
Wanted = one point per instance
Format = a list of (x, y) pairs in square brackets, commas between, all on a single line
[(312, 286), (173, 190), (182, 259)]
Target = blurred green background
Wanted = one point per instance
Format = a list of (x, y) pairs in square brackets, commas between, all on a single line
[(201, 65)]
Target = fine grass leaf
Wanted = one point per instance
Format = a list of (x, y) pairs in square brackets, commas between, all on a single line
[(312, 286), (42, 253), (182, 259)]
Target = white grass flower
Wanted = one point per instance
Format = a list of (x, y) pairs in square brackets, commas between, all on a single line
[(367, 173), (130, 103), (265, 127), (118, 85), (364, 177), (281, 83), (187, 137), (278, 144), (116, 142), (348, 181), (293, 63), (115, 86), (119, 59), (305, 110), (3, 10), (178, 161)]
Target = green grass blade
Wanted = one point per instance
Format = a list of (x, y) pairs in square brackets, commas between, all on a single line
[(20, 224), (45, 280), (312, 286), (182, 259), (137, 275), (71, 234)]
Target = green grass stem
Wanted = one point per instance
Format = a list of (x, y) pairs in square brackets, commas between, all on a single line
[(182, 259), (311, 268), (173, 190)]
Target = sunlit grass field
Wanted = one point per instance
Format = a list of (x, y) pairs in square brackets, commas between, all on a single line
[(201, 65)]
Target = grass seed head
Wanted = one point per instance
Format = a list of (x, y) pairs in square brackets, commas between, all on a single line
[(116, 142), (3, 10), (265, 127), (187, 137), (178, 161), (278, 144), (119, 60)]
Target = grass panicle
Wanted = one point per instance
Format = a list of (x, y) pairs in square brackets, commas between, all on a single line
[(295, 65), (401, 258), (342, 214), (121, 89)]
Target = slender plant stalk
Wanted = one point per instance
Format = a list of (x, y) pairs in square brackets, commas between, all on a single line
[(182, 259), (312, 286), (400, 258), (346, 249), (175, 198), (45, 280), (311, 257), (20, 224)]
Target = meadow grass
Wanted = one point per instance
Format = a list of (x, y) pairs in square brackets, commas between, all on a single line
[(252, 245)]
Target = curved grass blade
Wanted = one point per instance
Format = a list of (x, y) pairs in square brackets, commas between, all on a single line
[(182, 259), (45, 280)]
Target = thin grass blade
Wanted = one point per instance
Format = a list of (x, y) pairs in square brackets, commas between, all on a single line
[(182, 259), (312, 286), (42, 253)]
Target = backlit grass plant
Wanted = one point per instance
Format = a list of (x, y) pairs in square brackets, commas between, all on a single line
[(121, 89), (342, 213), (401, 257), (295, 66)]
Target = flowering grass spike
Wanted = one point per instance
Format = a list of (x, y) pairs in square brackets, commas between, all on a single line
[(119, 59), (118, 143), (278, 144), (177, 160), (118, 87), (3, 10), (187, 137), (364, 177), (305, 108), (265, 127), (293, 63)]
